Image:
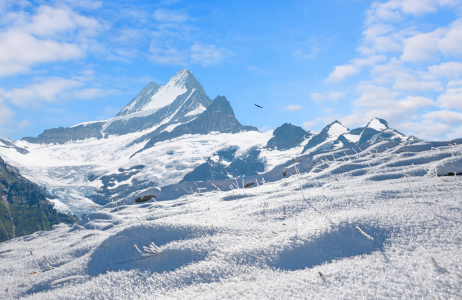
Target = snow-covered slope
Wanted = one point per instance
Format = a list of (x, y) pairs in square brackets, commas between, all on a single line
[(165, 136), (326, 137), (351, 226)]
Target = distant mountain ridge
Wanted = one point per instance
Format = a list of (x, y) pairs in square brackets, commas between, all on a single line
[(167, 135)]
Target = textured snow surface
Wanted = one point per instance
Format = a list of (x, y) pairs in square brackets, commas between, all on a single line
[(200, 109), (336, 130), (169, 92), (377, 125), (65, 168), (356, 232), (352, 137)]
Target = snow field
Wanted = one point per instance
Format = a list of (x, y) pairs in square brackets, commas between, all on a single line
[(358, 235)]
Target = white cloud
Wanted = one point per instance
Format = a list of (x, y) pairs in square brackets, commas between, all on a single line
[(51, 22), (50, 35), (421, 47), (91, 93), (452, 98), (47, 91), (24, 124), (167, 56), (334, 96), (451, 43), (169, 16), (19, 51), (50, 90), (85, 4), (6, 114), (450, 70), (341, 73), (404, 81), (445, 116), (292, 108), (310, 124), (207, 55), (318, 97)]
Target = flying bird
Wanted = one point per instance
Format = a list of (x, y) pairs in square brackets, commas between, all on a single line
[(258, 106)]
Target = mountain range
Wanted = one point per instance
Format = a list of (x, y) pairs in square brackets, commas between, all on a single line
[(164, 137)]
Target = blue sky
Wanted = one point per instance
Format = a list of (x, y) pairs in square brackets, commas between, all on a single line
[(306, 62)]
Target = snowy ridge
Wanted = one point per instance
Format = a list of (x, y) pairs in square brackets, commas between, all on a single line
[(86, 174), (169, 92), (350, 226)]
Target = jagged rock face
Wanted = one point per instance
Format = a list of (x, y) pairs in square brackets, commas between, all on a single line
[(9, 144), (372, 130), (227, 166), (219, 117), (287, 136), (61, 135), (141, 100), (23, 206), (156, 106), (326, 137)]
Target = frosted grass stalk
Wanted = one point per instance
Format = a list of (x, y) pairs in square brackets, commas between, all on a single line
[(423, 198), (134, 205), (411, 188), (298, 175), (6, 291), (35, 261)]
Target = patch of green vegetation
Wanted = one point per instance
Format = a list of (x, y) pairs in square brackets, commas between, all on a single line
[(6, 227)]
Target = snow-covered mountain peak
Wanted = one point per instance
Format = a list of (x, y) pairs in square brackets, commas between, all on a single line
[(154, 97), (335, 129), (377, 124)]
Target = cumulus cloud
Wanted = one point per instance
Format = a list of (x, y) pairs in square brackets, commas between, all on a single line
[(310, 124), (342, 72), (452, 98), (47, 91), (29, 40), (445, 116), (51, 90), (414, 79), (292, 108), (450, 70)]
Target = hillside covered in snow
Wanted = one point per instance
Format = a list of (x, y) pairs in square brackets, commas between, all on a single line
[(167, 136), (377, 223)]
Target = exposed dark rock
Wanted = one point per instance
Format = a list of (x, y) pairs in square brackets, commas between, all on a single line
[(219, 116), (246, 165), (368, 133), (9, 144), (287, 136), (62, 135), (343, 142), (23, 206), (144, 198), (140, 100), (319, 138)]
